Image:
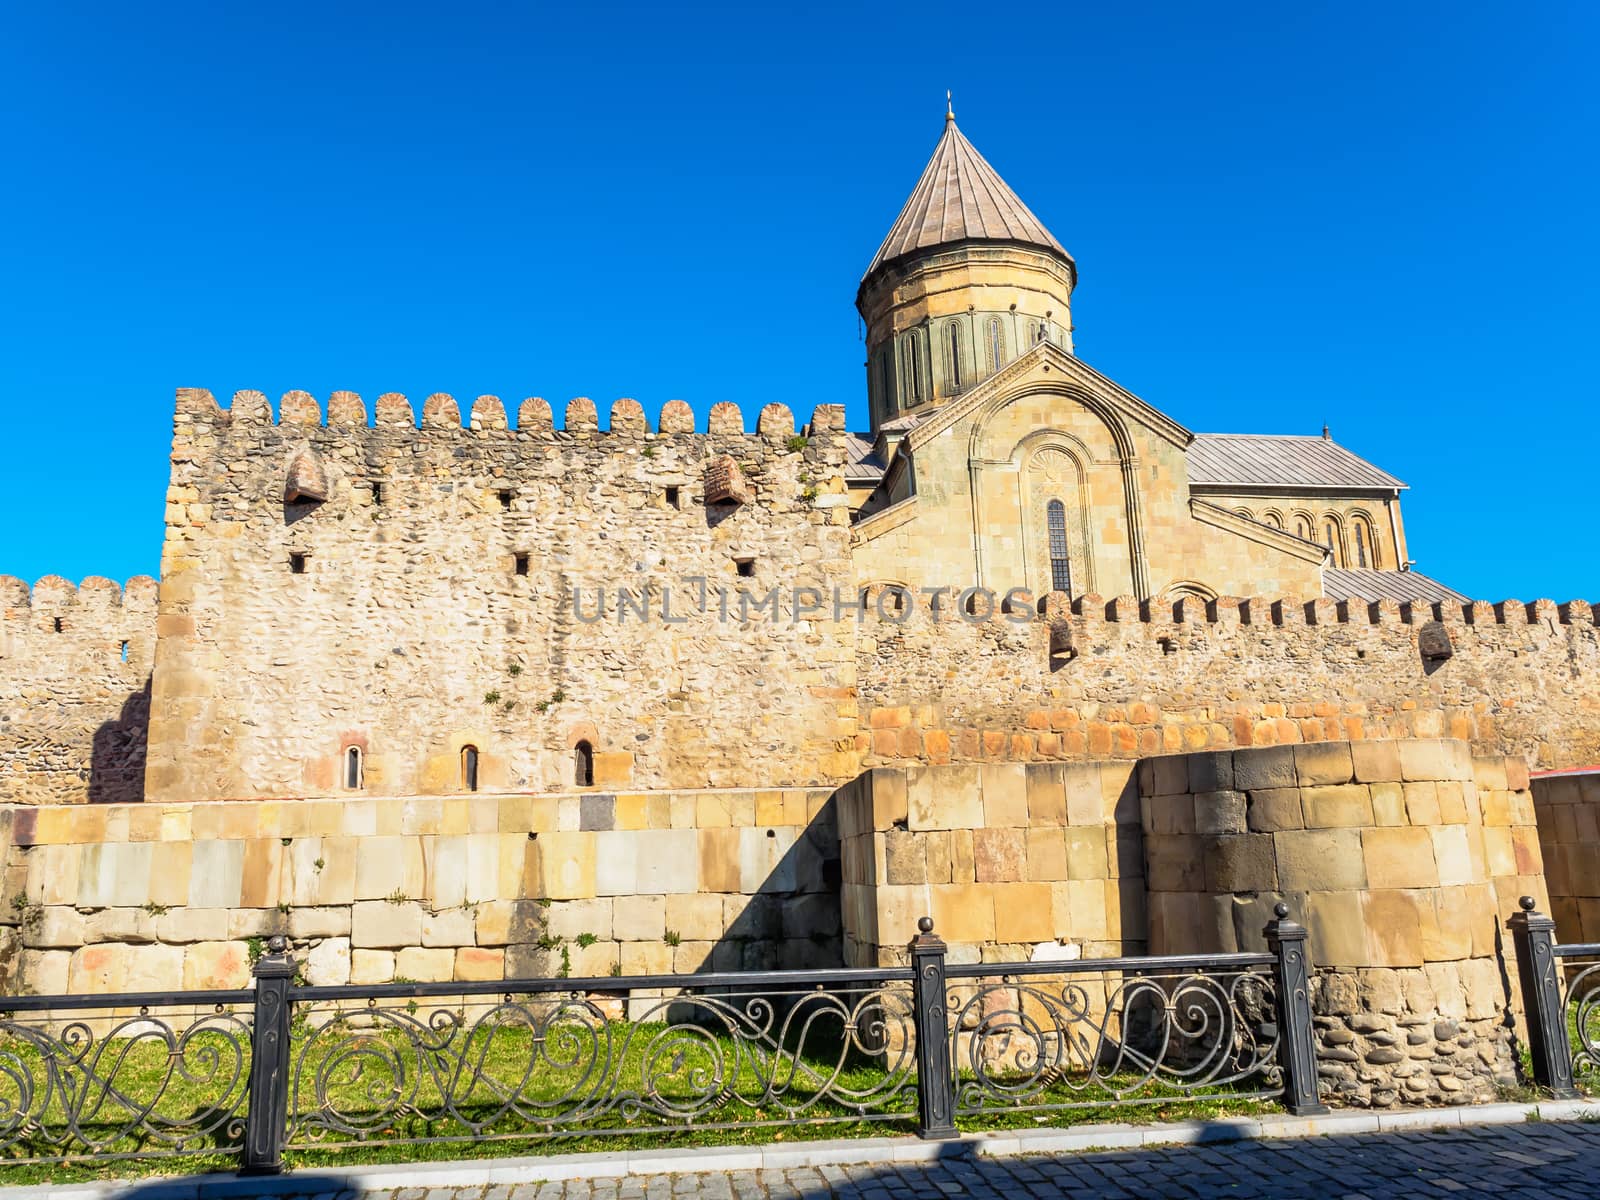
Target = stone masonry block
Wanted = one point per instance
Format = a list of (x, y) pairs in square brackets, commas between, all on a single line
[(1424, 759), (1088, 852), (1219, 812), (1394, 927), (1320, 860), (1174, 864), (327, 964), (380, 924), (1005, 794), (695, 917), (425, 964), (452, 927), (1337, 806), (946, 797), (1318, 763), (1085, 797), (1022, 913), (1376, 761), (55, 926), (1047, 854), (474, 963), (1338, 925), (639, 918), (1210, 771), (1246, 863), (1264, 767), (208, 965), (1452, 854), (1422, 802), (154, 969), (1399, 858), (999, 855), (574, 918), (305, 923), (1388, 804), (1272, 809), (1047, 794), (371, 966)]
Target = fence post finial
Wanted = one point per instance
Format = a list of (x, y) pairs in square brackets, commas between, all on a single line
[(1297, 1048), (936, 1084), (1534, 936), (267, 1121)]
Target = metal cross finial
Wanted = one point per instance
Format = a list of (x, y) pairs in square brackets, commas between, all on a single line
[(949, 107)]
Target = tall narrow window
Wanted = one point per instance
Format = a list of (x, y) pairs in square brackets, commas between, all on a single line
[(1038, 333), (883, 366), (1332, 542), (583, 765), (469, 768), (352, 768), (1361, 545), (996, 348), (1060, 565), (955, 356), (916, 369)]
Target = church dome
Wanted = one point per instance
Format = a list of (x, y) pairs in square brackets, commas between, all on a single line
[(961, 198)]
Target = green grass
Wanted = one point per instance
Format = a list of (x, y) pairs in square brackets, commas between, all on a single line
[(344, 1067)]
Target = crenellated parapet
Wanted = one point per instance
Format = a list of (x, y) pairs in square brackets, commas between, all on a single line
[(487, 414)]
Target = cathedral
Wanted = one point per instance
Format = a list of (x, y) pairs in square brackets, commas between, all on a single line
[(998, 458)]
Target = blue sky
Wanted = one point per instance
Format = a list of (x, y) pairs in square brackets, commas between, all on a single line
[(1379, 216)]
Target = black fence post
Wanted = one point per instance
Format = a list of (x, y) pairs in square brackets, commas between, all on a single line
[(267, 1121), (1534, 936), (936, 1085), (1297, 1049)]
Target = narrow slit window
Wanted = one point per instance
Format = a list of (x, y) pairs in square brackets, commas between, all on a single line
[(1060, 562), (352, 769), (505, 500), (916, 369), (583, 765), (469, 768), (377, 493), (996, 350), (672, 497), (1361, 546), (297, 564), (56, 625), (745, 567), (955, 355), (520, 564), (124, 649)]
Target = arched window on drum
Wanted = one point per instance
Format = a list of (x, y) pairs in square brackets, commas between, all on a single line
[(1055, 515)]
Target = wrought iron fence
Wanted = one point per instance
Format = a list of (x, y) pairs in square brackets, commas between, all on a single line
[(280, 1068), (1560, 1000)]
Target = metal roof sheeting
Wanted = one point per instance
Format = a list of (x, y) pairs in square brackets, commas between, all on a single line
[(1385, 585), (959, 198), (860, 462), (1280, 460)]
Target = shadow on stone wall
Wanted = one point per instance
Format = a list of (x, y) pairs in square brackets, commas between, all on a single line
[(116, 763)]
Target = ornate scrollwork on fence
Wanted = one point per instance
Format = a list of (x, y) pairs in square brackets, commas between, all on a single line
[(1037, 1042), (543, 1066), (145, 1085), (1583, 1004)]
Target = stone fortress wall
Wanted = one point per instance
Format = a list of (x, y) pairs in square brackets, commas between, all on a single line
[(74, 689), (1568, 808), (167, 896), (1106, 678), (425, 605)]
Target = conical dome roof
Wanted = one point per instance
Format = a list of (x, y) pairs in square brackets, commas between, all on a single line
[(960, 198)]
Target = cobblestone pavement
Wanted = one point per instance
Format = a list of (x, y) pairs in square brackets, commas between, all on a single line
[(1552, 1161)]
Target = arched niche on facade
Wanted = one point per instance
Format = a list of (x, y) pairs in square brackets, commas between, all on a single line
[(1044, 442)]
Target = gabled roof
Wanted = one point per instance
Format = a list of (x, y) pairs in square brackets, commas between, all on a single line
[(1280, 460), (1385, 585), (960, 198)]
